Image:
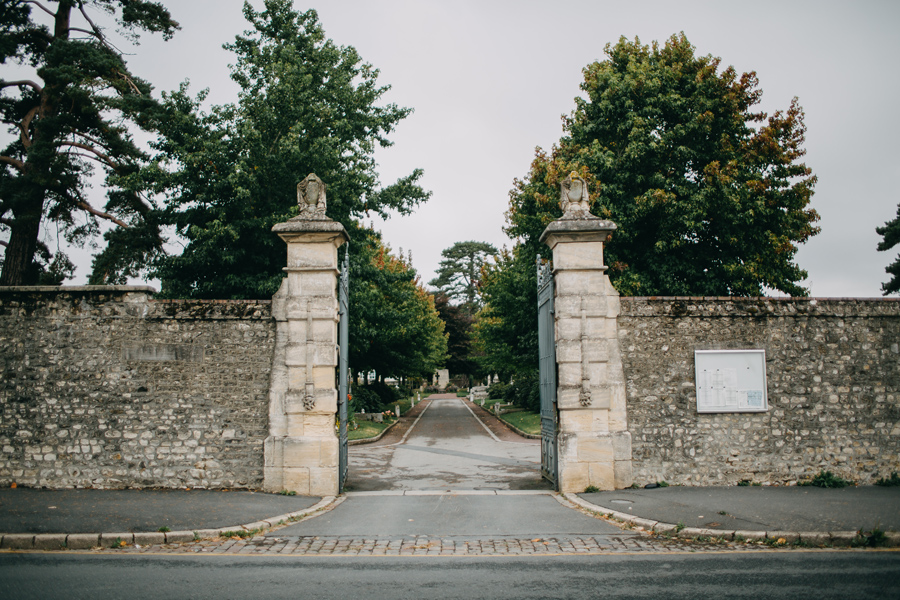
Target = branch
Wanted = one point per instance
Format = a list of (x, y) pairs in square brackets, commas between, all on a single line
[(97, 154), (96, 30), (23, 127), (37, 88), (13, 161), (4, 244), (41, 6), (5, 221), (99, 213)]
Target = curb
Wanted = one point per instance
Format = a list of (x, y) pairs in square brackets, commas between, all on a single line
[(509, 426), (88, 541), (816, 538)]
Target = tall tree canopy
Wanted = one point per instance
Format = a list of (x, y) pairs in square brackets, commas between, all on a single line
[(460, 272), (709, 196), (395, 329), (305, 106), (890, 233), (70, 117), (458, 326), (506, 327)]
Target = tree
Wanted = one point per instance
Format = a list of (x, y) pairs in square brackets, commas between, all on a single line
[(305, 106), (458, 326), (890, 233), (72, 116), (506, 328), (460, 272), (709, 196), (395, 329)]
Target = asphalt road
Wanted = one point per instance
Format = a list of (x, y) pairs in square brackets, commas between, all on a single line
[(447, 449), (795, 575)]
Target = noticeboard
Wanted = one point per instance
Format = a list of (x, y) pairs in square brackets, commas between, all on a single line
[(730, 381)]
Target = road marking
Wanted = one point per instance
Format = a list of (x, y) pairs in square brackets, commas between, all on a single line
[(480, 422)]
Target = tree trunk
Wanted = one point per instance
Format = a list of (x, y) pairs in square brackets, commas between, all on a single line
[(18, 260)]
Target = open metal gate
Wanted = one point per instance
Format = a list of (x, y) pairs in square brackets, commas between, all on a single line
[(547, 364), (343, 367)]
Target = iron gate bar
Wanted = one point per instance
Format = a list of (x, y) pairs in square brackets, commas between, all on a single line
[(547, 366), (343, 367)]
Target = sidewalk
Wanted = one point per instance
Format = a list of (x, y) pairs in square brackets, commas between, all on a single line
[(448, 515)]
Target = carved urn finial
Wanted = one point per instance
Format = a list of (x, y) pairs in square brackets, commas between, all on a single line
[(311, 198), (573, 197)]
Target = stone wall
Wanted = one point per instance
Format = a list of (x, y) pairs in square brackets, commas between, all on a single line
[(833, 373), (104, 387)]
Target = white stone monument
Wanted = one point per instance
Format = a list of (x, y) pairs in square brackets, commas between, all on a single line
[(594, 442), (301, 452)]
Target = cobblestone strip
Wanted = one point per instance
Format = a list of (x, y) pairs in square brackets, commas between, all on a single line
[(435, 546)]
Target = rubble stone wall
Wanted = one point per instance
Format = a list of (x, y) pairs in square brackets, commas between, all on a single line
[(104, 387), (833, 375)]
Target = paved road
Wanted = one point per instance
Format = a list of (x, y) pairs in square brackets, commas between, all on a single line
[(447, 449), (794, 575)]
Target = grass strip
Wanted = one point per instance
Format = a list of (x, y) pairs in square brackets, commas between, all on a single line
[(525, 420)]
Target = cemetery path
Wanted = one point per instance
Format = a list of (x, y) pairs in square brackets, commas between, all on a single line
[(446, 448)]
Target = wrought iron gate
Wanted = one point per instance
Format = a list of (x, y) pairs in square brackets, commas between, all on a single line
[(547, 364), (343, 367)]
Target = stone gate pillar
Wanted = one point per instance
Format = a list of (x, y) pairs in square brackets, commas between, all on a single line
[(301, 451), (594, 442)]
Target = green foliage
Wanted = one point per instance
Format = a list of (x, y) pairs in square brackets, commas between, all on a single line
[(826, 479), (306, 106), (591, 489), (498, 390), (395, 329), (75, 115), (506, 328), (744, 483), (459, 273), (364, 398), (458, 326), (525, 391), (709, 197), (287, 493), (890, 233), (164, 529), (893, 480)]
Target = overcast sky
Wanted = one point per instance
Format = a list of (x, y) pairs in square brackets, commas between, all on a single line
[(489, 80)]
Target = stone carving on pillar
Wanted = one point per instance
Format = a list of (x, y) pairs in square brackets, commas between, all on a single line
[(311, 198), (573, 197), (594, 444), (302, 449)]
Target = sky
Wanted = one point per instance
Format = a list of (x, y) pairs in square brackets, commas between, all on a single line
[(489, 80)]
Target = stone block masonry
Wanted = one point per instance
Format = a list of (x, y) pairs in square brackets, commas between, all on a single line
[(833, 371), (104, 387)]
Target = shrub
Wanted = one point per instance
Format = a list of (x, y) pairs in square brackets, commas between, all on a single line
[(498, 390), (894, 479), (364, 398), (525, 392), (388, 394), (826, 479), (451, 388)]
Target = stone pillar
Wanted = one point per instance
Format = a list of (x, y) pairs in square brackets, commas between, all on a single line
[(301, 452), (594, 442)]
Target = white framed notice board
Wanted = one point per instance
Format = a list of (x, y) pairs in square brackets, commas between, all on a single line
[(730, 381)]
